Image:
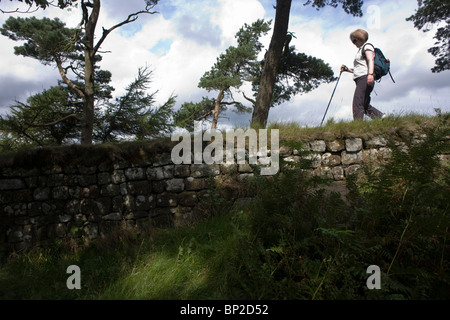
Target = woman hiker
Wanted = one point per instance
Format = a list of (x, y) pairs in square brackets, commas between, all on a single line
[(363, 74)]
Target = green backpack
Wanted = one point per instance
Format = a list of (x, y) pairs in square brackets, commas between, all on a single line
[(382, 65)]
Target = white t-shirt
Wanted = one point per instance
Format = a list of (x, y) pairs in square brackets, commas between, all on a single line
[(360, 64)]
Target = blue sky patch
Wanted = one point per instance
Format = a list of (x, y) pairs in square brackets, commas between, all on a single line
[(162, 47)]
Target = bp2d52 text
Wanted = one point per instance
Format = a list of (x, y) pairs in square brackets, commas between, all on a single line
[(228, 309)]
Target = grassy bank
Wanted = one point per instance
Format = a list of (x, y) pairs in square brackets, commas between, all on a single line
[(295, 240), (391, 126)]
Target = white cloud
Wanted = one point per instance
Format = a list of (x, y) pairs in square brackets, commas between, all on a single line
[(182, 42), (231, 15)]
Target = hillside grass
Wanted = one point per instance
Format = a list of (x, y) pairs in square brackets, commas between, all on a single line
[(294, 240), (391, 126)]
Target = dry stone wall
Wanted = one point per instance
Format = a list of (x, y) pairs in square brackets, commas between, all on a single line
[(49, 201)]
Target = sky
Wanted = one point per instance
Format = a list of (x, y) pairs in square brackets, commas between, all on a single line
[(183, 40)]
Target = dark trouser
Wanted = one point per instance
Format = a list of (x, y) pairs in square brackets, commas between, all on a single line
[(361, 100)]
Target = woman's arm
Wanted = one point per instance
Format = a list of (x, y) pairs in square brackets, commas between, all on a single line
[(370, 57)]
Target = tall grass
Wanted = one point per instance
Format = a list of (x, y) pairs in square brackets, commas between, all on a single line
[(393, 125)]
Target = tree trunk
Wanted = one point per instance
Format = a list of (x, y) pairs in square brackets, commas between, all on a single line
[(272, 59), (87, 123), (217, 109)]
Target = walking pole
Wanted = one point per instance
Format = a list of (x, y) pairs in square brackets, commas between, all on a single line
[(331, 99)]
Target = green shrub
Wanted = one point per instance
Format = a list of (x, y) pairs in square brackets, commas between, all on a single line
[(307, 243)]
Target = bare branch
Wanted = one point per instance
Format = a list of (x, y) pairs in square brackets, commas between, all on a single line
[(74, 69), (205, 115), (131, 18), (228, 103), (49, 3), (18, 10), (249, 99), (67, 81), (54, 122)]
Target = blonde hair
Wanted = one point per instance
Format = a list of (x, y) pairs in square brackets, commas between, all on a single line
[(359, 34)]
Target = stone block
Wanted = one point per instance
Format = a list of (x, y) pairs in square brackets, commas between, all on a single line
[(351, 158), (87, 180), (168, 171), (331, 160), (352, 170), (145, 202), (60, 193), (159, 186), (162, 159), (376, 142), (104, 178), (370, 155), (335, 145), (245, 168), (71, 207), (204, 170), (175, 185), (25, 195), (181, 171), (338, 173), (118, 177), (110, 190), (55, 180), (92, 192), (167, 200), (135, 174), (192, 184), (11, 184), (114, 216), (41, 194), (86, 170), (155, 174), (71, 180), (228, 168), (245, 176), (15, 234), (318, 146), (315, 160), (139, 187), (353, 144), (293, 159), (91, 231), (385, 153), (31, 182), (95, 207), (64, 218), (57, 230), (285, 150), (188, 199)]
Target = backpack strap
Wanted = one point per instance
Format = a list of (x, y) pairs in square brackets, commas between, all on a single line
[(391, 77), (363, 52)]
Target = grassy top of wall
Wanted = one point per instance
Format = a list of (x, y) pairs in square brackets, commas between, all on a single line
[(404, 126), (391, 126)]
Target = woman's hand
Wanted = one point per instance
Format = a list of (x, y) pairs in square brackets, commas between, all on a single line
[(370, 80), (344, 68)]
